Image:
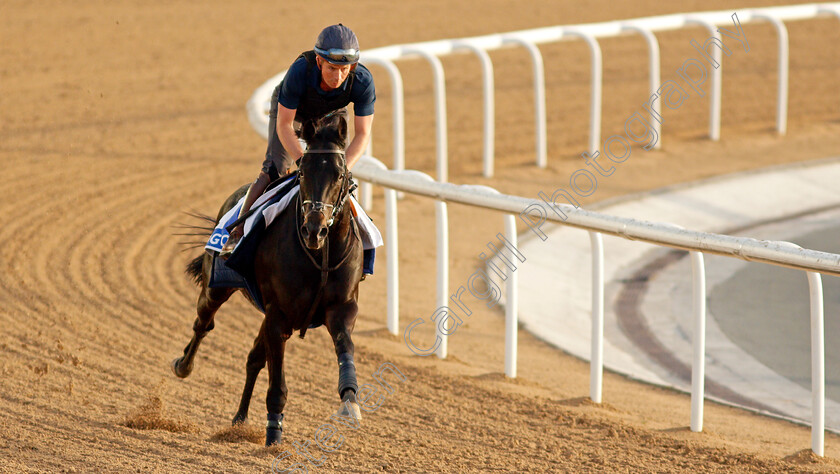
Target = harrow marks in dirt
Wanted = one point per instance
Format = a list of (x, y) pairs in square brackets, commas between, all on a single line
[(115, 119)]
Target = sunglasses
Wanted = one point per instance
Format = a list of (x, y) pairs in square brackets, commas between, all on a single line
[(341, 56)]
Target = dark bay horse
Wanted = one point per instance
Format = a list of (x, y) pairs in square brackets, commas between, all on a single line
[(308, 267)]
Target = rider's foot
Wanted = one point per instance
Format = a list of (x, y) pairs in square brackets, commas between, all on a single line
[(235, 237)]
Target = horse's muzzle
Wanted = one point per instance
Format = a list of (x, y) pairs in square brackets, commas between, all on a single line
[(314, 230)]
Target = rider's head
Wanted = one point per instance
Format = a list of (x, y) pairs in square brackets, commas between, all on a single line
[(338, 52)]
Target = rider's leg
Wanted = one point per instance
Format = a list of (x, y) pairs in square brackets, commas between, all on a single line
[(276, 163), (275, 152), (254, 192)]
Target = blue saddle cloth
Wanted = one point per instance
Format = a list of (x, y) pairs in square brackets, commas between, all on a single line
[(238, 270)]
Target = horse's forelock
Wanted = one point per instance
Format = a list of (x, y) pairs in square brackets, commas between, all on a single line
[(329, 136), (333, 130)]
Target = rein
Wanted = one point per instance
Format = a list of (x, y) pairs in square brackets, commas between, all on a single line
[(320, 206)]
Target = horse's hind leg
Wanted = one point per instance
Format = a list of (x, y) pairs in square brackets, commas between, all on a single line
[(274, 343), (340, 321), (256, 362), (209, 302)]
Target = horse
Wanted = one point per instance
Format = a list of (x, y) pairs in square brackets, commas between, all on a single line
[(307, 267)]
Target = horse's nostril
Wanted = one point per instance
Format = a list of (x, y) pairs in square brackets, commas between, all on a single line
[(322, 233), (304, 231)]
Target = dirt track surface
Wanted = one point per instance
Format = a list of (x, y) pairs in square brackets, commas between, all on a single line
[(117, 117)]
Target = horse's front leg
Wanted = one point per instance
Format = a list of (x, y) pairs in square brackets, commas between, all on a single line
[(209, 302), (340, 320)]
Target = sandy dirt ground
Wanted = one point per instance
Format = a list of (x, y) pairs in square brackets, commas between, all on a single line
[(116, 117)]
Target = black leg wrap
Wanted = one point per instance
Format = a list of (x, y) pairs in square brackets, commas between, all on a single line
[(346, 373), (273, 429)]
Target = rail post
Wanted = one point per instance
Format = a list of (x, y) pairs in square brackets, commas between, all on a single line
[(782, 93), (539, 97), (714, 99), (595, 88), (654, 60), (489, 107), (440, 113), (596, 364), (698, 364)]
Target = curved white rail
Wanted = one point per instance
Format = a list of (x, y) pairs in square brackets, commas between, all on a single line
[(590, 32), (773, 252), (745, 248)]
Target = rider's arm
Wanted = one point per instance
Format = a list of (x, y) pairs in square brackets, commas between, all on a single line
[(361, 138), (286, 132)]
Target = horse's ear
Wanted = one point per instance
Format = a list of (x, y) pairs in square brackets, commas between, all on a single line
[(307, 131), (342, 130)]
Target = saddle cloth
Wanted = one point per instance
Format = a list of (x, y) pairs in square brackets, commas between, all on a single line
[(272, 203), (238, 272)]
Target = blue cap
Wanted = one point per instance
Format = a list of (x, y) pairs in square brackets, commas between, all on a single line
[(338, 45)]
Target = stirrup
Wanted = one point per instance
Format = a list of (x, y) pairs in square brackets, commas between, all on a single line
[(229, 246)]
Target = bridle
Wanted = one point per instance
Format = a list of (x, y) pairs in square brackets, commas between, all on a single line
[(347, 187)]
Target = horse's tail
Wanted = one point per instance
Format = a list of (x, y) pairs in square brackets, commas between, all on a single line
[(200, 233), (195, 269)]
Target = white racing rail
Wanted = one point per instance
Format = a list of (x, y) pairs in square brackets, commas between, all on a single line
[(372, 171), (258, 105), (783, 254)]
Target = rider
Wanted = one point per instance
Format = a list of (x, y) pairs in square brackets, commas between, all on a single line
[(321, 81)]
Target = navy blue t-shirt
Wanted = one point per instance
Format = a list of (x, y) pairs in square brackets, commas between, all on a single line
[(298, 78)]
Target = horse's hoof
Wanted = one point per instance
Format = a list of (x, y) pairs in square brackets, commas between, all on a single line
[(239, 420), (272, 436), (273, 429), (348, 408), (178, 370)]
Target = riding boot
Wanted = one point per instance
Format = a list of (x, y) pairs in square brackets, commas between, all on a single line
[(256, 190)]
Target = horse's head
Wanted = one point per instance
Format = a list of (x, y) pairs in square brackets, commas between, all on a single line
[(324, 178)]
